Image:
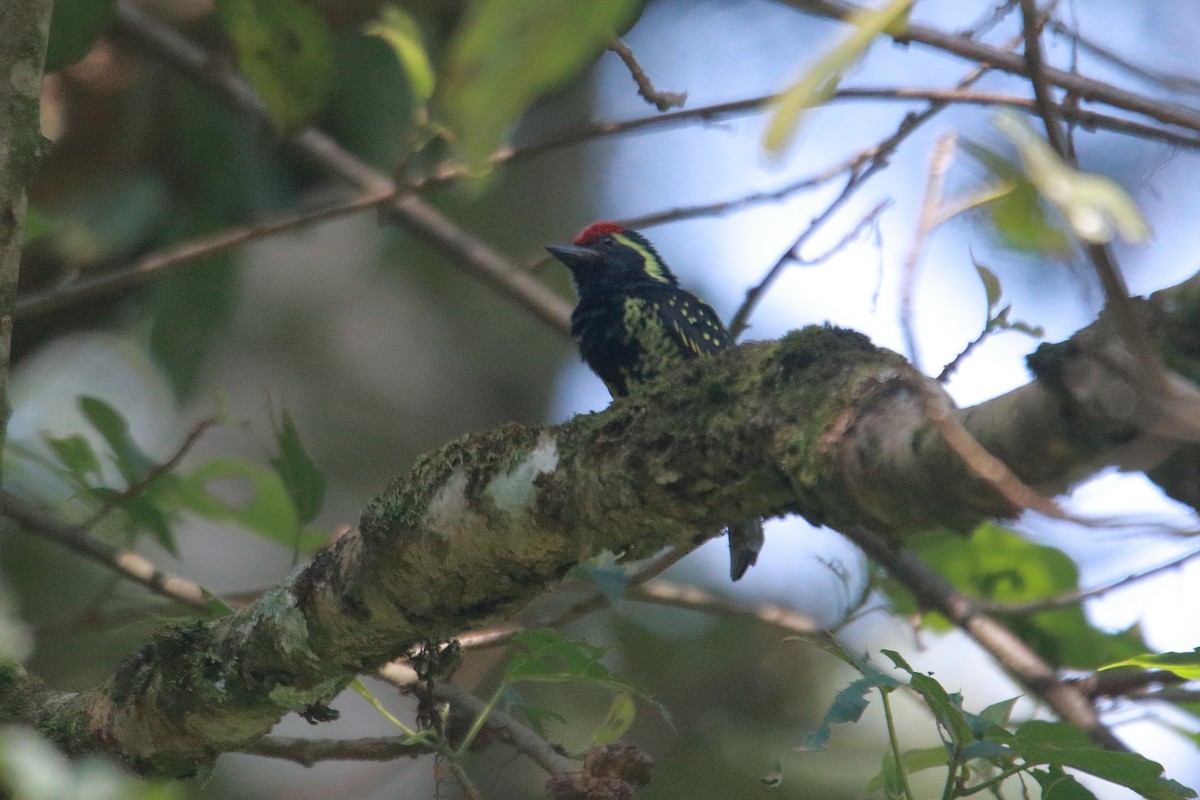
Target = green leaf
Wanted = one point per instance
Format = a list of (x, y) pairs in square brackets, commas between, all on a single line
[(1061, 745), (399, 30), (819, 83), (1058, 785), (38, 224), (1185, 665), (912, 761), (848, 706), (283, 49), (1096, 207), (75, 453), (991, 285), (946, 708), (999, 713), (268, 511), (546, 656), (507, 53), (75, 25), (997, 564), (146, 514), (302, 478), (217, 607), (132, 463), (619, 719), (1017, 213)]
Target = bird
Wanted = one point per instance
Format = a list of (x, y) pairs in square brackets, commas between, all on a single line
[(633, 320)]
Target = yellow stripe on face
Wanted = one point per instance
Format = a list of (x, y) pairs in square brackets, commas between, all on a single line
[(650, 263)]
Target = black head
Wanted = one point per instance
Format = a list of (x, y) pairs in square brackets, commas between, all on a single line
[(608, 254)]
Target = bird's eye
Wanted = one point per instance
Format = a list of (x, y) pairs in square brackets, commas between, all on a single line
[(606, 241)]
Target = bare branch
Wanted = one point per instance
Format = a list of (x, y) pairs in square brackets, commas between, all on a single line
[(408, 211), (861, 167), (23, 36), (128, 564), (309, 752), (523, 738), (162, 262), (140, 485), (1174, 83), (997, 58), (663, 101), (939, 165)]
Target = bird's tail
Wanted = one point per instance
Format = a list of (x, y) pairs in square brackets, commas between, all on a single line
[(745, 543)]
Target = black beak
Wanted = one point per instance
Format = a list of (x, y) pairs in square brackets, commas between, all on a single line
[(573, 256)]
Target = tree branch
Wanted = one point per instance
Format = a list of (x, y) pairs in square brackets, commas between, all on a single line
[(1016, 658), (126, 563), (24, 31), (963, 46), (819, 424), (408, 211), (663, 101)]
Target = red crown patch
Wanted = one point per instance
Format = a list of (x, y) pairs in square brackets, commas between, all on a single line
[(594, 231)]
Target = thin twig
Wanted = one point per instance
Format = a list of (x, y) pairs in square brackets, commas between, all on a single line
[(153, 474), (164, 261), (502, 634), (1086, 118), (998, 58), (1173, 83), (934, 592), (1077, 597), (942, 415), (693, 598), (522, 738), (663, 101), (939, 165), (134, 567), (860, 167), (953, 364), (1150, 371), (1126, 683), (464, 781)]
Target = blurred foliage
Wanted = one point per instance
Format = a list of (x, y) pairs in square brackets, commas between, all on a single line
[(978, 751), (283, 48), (510, 52), (820, 81), (995, 564), (74, 27), (33, 769)]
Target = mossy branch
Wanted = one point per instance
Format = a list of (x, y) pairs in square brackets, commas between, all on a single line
[(820, 423)]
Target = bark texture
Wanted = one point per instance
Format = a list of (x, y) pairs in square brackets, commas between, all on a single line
[(820, 423)]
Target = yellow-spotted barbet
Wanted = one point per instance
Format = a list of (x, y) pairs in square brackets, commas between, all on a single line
[(633, 321)]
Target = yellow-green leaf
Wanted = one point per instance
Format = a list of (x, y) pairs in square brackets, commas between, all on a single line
[(1096, 207), (507, 53), (818, 84), (399, 30), (1185, 665), (283, 49)]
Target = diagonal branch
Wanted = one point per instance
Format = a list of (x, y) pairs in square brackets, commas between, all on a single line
[(24, 32), (407, 211), (965, 47), (934, 592), (819, 423), (128, 564)]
